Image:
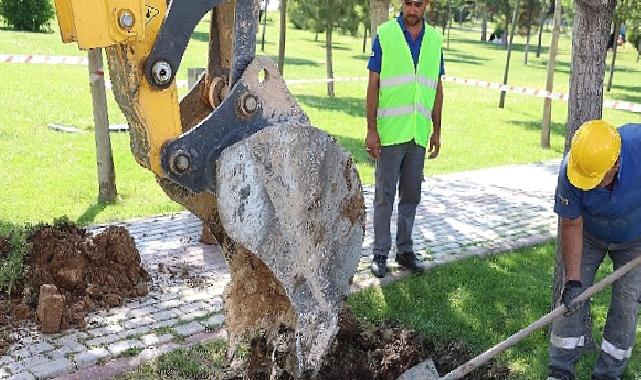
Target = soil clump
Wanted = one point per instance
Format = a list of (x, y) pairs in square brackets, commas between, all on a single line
[(71, 266), (358, 352)]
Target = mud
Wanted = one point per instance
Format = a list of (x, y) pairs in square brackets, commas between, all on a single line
[(88, 272), (381, 352)]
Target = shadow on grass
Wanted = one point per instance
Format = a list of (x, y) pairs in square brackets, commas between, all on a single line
[(479, 302), (556, 129), (451, 56), (296, 61), (347, 105), (91, 213), (321, 43), (516, 47), (630, 93)]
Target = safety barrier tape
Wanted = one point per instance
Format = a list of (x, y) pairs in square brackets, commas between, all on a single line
[(78, 60), (43, 59)]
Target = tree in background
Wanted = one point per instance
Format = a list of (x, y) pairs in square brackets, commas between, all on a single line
[(379, 13), (29, 15), (328, 50), (347, 15), (626, 11), (281, 40), (529, 13)]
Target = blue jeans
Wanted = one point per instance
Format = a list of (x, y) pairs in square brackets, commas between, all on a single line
[(568, 338)]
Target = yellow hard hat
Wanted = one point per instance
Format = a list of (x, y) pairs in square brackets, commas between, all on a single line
[(595, 148)]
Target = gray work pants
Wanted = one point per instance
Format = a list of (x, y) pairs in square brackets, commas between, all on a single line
[(568, 338), (403, 165)]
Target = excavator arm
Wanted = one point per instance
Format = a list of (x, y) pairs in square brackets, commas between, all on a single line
[(281, 197)]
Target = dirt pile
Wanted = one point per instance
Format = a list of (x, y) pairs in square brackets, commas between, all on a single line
[(368, 353), (87, 273)]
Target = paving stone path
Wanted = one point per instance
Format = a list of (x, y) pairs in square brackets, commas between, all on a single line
[(463, 214)]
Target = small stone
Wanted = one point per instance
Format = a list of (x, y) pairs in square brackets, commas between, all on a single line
[(50, 308)]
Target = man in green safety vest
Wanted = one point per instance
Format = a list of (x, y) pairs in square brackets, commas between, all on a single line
[(404, 104)]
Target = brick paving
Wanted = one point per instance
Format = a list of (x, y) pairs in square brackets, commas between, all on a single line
[(463, 214)]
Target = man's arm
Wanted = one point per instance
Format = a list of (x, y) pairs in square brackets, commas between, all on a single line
[(435, 139), (572, 247), (373, 141)]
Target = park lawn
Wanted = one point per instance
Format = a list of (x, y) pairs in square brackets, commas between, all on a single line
[(476, 301), (48, 174), (482, 301)]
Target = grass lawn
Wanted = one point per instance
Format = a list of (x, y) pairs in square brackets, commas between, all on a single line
[(48, 174), (477, 301)]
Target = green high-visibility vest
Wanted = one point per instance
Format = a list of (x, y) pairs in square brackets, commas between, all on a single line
[(407, 94)]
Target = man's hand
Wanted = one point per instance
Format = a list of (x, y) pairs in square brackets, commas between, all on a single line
[(435, 145), (571, 290), (373, 143)]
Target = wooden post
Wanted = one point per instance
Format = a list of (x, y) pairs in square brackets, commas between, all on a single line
[(281, 40), (547, 102), (544, 12), (617, 26), (449, 22), (328, 51), (104, 158), (509, 53), (262, 45)]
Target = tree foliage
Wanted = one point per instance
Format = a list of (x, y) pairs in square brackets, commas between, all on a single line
[(347, 15), (29, 15)]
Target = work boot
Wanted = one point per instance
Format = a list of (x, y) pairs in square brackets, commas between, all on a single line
[(379, 266), (408, 261), (559, 374)]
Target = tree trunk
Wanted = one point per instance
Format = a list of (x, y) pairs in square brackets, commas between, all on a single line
[(617, 26), (509, 53), (541, 21), (592, 21), (379, 13), (328, 51), (449, 22), (484, 27), (104, 159), (507, 27), (547, 103), (364, 40), (529, 31), (283, 32), (262, 44)]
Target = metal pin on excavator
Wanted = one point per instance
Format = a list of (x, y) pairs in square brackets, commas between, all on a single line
[(281, 197)]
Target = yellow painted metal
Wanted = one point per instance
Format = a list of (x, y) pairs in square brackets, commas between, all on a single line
[(65, 20), (159, 109), (95, 23)]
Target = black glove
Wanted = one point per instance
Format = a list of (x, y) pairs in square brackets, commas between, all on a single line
[(571, 290)]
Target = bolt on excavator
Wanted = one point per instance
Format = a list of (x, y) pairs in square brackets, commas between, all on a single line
[(281, 197)]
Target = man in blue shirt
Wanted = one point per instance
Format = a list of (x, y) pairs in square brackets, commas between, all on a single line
[(598, 200), (376, 57), (400, 164)]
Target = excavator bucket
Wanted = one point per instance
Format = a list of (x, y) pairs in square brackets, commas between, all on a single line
[(281, 197)]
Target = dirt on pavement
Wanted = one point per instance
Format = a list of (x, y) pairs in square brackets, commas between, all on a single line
[(87, 273)]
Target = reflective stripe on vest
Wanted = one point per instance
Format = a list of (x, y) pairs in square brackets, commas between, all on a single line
[(407, 93), (398, 81), (405, 110)]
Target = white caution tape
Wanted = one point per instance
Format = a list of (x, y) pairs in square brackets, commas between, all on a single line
[(76, 60), (44, 59)]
